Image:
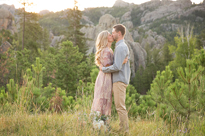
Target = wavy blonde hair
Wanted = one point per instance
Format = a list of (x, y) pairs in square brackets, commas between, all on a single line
[(101, 43)]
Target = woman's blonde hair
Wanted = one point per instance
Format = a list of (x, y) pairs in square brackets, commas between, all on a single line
[(101, 43)]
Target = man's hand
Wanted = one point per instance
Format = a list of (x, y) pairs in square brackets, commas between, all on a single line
[(125, 60)]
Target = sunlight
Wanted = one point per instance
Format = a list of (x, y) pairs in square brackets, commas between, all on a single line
[(54, 6), (59, 5)]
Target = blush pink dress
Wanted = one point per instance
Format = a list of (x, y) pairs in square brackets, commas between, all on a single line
[(102, 101)]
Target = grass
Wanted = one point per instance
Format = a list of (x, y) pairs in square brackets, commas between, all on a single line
[(15, 122)]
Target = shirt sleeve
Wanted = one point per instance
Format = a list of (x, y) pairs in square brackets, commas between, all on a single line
[(119, 56)]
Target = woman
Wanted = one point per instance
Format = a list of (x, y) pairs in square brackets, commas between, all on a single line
[(102, 101)]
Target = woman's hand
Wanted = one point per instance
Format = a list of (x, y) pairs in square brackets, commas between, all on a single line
[(125, 60), (100, 67)]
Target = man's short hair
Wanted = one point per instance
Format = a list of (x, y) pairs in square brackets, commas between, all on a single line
[(121, 28)]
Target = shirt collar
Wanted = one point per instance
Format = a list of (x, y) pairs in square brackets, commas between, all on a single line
[(120, 41)]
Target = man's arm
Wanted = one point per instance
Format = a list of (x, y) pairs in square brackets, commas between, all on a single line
[(119, 57)]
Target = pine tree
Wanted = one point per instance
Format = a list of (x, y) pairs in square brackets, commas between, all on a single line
[(201, 40), (158, 90), (12, 90), (49, 62), (137, 82), (6, 39), (132, 97), (67, 62), (166, 56), (21, 61), (3, 96), (199, 59), (183, 93), (184, 50), (74, 34), (38, 72), (145, 76), (34, 35), (24, 3), (85, 68)]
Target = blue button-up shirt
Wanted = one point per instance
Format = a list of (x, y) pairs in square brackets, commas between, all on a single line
[(121, 72)]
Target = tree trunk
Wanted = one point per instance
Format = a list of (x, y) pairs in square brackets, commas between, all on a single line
[(24, 16)]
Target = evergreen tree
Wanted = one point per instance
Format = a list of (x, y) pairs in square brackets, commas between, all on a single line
[(5, 35), (38, 72), (144, 76), (158, 90), (67, 62), (24, 3), (132, 97), (166, 56), (49, 62), (201, 40), (137, 82), (6, 39), (35, 37), (85, 68), (74, 34), (18, 62), (199, 59), (3, 96), (12, 90), (184, 50), (184, 92)]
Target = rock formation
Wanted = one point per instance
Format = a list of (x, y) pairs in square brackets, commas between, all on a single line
[(7, 20), (44, 12), (120, 3), (126, 17), (153, 40), (106, 22), (10, 8), (87, 20), (166, 8), (4, 47), (55, 40)]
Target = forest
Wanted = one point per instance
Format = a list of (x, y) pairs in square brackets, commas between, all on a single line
[(48, 90)]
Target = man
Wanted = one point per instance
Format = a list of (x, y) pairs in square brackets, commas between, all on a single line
[(121, 75)]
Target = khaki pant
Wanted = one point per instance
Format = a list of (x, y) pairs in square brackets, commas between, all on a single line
[(119, 90)]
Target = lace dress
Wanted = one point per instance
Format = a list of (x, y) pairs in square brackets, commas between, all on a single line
[(102, 101)]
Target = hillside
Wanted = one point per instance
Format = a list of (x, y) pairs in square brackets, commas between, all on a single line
[(164, 17), (152, 24)]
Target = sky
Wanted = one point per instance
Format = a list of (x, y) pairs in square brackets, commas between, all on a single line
[(58, 5)]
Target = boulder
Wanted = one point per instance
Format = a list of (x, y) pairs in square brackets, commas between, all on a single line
[(153, 40), (135, 34), (126, 17), (128, 25), (55, 40)]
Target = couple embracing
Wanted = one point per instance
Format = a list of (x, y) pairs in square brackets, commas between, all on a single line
[(114, 75)]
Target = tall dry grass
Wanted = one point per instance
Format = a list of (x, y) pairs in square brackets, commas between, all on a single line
[(17, 122)]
